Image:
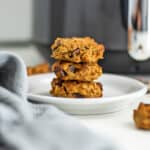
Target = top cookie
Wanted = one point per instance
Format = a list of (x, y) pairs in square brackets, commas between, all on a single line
[(77, 49)]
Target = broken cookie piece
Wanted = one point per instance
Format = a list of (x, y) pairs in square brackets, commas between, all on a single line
[(141, 116)]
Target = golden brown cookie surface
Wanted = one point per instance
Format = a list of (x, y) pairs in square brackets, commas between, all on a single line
[(74, 71), (76, 89), (40, 68), (77, 49), (141, 116)]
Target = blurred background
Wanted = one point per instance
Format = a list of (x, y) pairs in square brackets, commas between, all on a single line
[(28, 27)]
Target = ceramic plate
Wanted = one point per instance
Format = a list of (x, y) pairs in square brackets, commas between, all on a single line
[(119, 92)]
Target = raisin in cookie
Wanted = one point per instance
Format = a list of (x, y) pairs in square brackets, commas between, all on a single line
[(76, 89), (74, 71), (77, 49)]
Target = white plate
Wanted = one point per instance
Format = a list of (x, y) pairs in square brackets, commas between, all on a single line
[(119, 92)]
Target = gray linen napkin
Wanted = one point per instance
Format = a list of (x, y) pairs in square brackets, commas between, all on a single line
[(37, 127)]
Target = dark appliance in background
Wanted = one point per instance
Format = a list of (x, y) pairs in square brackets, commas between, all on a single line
[(104, 20)]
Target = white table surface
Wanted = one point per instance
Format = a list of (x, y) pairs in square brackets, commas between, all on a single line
[(120, 127)]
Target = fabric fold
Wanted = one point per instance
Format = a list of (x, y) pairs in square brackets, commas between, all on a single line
[(25, 126)]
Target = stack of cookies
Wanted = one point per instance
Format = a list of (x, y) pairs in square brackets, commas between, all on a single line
[(76, 67)]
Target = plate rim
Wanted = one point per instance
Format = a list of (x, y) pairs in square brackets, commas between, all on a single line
[(102, 100)]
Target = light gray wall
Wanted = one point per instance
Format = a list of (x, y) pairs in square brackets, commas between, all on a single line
[(24, 21), (24, 24)]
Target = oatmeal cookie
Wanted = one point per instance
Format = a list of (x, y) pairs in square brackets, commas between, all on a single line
[(77, 49), (141, 116), (76, 89), (74, 71), (38, 69)]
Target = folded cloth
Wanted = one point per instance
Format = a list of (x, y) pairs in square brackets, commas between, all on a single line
[(37, 127)]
